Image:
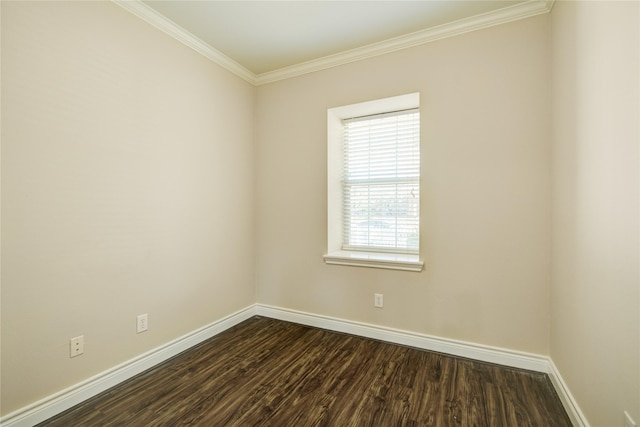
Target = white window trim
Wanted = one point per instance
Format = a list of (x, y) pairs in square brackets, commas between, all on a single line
[(335, 254)]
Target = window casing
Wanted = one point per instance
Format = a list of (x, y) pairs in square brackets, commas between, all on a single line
[(374, 184)]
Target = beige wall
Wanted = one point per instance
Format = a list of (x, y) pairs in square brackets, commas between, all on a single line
[(127, 188), (486, 225), (120, 147), (595, 326)]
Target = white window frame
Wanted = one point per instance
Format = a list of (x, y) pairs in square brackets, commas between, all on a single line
[(335, 254)]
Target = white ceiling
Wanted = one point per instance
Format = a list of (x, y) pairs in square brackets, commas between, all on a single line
[(272, 38)]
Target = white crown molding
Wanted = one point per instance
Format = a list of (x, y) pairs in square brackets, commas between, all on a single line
[(485, 20), (501, 16), (150, 15)]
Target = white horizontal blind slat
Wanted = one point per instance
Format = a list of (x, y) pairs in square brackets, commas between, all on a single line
[(381, 182)]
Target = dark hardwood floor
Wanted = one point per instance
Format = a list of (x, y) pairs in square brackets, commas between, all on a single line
[(266, 372)]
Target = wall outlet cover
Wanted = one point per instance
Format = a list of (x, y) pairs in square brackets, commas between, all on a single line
[(377, 300), (142, 323), (76, 346), (628, 422)]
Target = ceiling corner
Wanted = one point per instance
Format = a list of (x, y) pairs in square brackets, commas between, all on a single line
[(500, 16), (478, 22), (156, 19)]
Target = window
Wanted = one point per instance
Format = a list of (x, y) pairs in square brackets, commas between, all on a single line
[(381, 182), (374, 184)]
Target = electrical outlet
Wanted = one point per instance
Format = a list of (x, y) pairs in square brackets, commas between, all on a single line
[(377, 300), (76, 346), (142, 323), (628, 422)]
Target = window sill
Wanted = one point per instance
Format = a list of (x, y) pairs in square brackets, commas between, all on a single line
[(375, 260)]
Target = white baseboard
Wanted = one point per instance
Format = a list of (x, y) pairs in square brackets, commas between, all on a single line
[(65, 399), (501, 356), (516, 359), (570, 405)]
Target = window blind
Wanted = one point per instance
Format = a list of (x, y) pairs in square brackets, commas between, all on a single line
[(381, 182)]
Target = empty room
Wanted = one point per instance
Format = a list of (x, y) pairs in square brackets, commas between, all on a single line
[(336, 213)]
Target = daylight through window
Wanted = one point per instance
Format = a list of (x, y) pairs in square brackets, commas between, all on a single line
[(381, 182)]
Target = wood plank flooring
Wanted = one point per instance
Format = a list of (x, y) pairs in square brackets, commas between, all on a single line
[(266, 372)]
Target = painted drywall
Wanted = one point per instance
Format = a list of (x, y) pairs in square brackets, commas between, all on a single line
[(128, 169), (127, 188), (595, 326), (485, 187)]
